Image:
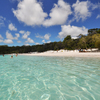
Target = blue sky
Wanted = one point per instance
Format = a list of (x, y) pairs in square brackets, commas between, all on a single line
[(32, 22)]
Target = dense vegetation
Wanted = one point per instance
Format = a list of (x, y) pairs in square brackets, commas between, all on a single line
[(92, 40)]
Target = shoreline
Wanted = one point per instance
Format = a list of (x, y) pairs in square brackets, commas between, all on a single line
[(64, 54)]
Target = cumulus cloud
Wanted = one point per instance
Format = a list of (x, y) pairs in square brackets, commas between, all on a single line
[(8, 41), (59, 14), (26, 45), (43, 41), (46, 36), (29, 40), (12, 27), (1, 40), (30, 12), (38, 36), (72, 30), (37, 43), (18, 41), (22, 32), (26, 34), (48, 41), (98, 17), (75, 37), (9, 35), (1, 36), (81, 10), (17, 36)]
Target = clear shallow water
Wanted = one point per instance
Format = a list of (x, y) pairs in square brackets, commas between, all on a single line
[(49, 78)]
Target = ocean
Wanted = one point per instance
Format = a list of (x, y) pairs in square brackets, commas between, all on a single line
[(49, 78)]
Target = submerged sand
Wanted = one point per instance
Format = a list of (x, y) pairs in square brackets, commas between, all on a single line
[(65, 54)]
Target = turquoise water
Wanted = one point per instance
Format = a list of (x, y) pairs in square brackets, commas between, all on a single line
[(49, 78)]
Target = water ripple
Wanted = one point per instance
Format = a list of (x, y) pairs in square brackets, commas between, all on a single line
[(49, 78)]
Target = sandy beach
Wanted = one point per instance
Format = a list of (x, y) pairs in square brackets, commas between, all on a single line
[(65, 54)]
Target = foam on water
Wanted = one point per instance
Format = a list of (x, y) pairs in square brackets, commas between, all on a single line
[(49, 78)]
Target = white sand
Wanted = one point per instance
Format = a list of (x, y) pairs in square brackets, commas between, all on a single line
[(65, 54)]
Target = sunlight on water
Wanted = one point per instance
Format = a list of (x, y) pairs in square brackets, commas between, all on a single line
[(49, 78)]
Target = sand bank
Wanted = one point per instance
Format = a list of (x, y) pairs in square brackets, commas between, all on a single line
[(65, 54)]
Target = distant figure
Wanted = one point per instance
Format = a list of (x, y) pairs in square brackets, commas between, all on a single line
[(16, 55), (3, 55), (11, 56)]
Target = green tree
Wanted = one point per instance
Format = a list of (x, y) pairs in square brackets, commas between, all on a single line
[(97, 44), (89, 42), (68, 37), (82, 43), (95, 38)]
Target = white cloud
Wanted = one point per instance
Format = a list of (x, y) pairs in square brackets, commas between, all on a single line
[(30, 12), (37, 43), (17, 36), (8, 41), (48, 41), (1, 36), (25, 36), (29, 40), (72, 30), (39, 36), (59, 14), (22, 32), (98, 17), (9, 35), (27, 45), (1, 40), (47, 36), (18, 41), (12, 27), (43, 41), (81, 10), (75, 37)]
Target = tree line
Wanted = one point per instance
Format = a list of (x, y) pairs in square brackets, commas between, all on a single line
[(92, 40)]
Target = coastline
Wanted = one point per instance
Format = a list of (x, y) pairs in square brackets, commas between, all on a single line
[(64, 54)]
